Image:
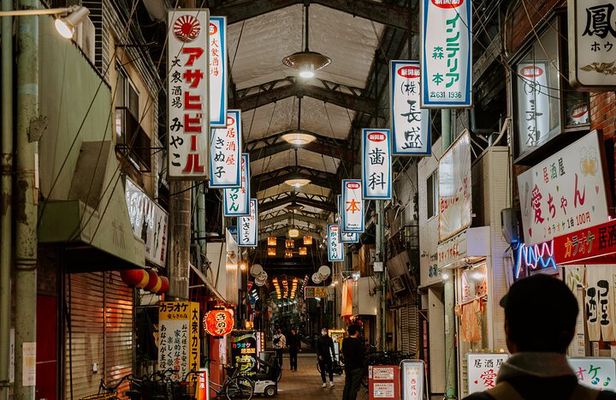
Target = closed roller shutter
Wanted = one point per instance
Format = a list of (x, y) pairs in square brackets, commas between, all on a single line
[(409, 328)]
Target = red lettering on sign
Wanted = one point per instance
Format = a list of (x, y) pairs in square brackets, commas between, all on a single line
[(213, 29), (352, 185), (447, 3), (531, 71), (376, 137), (409, 71)]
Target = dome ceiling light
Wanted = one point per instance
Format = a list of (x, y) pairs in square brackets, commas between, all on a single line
[(297, 181), (298, 138)]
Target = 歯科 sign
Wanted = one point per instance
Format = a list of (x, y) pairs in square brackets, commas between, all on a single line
[(446, 57), (454, 184), (311, 292), (225, 153), (595, 372), (237, 200), (188, 101), (353, 206), (483, 369), (179, 338), (248, 227), (413, 380), (410, 125), (218, 71), (565, 192), (376, 164), (591, 39), (335, 249), (533, 105)]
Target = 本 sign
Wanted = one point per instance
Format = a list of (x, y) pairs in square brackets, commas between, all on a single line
[(353, 206), (188, 99), (565, 192), (345, 237), (446, 55), (595, 372), (592, 38), (179, 339), (335, 249), (225, 156), (533, 105), (483, 369), (413, 379), (237, 200), (218, 71), (248, 227), (376, 164), (410, 125)]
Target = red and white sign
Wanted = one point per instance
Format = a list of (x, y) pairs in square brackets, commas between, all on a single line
[(483, 369), (376, 164), (225, 153), (533, 106), (218, 71), (592, 245), (188, 94), (353, 211)]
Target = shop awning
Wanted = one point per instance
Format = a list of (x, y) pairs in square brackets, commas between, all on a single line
[(593, 245), (206, 282)]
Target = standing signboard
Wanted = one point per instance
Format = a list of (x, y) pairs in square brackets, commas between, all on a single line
[(248, 227), (595, 372), (353, 206), (384, 382), (237, 200), (244, 352), (413, 380), (376, 164), (446, 57), (483, 369), (410, 125), (225, 153), (188, 101), (218, 71), (565, 192), (179, 337), (533, 105), (335, 249)]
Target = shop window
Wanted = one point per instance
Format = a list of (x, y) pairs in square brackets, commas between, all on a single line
[(432, 190)]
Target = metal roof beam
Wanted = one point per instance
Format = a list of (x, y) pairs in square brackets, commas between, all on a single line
[(281, 201), (265, 221), (279, 176), (270, 145)]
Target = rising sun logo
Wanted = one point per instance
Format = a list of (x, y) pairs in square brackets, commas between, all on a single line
[(186, 28)]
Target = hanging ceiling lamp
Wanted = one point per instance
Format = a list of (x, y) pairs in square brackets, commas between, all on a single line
[(299, 137), (289, 243), (271, 241), (303, 251), (296, 180), (306, 62), (307, 240), (271, 251)]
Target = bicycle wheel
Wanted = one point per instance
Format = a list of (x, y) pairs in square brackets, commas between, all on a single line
[(240, 388)]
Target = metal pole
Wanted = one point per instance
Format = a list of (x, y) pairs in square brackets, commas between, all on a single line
[(179, 243), (380, 256), (6, 242), (26, 192)]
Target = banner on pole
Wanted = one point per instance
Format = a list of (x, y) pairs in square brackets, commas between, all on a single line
[(248, 227), (376, 164), (335, 249), (218, 71), (225, 153), (237, 200), (353, 206)]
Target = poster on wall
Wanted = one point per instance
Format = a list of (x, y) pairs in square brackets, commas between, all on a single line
[(225, 153), (248, 227), (565, 192), (376, 164), (244, 352), (178, 340), (335, 249), (446, 53), (410, 124), (599, 300), (353, 206), (237, 200), (595, 372), (533, 105), (483, 369), (188, 101), (454, 184), (218, 71)]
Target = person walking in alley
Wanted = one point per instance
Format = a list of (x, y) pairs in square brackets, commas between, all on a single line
[(326, 354), (354, 360), (280, 343), (294, 344), (540, 318)]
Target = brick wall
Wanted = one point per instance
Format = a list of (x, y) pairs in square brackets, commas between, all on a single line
[(603, 113)]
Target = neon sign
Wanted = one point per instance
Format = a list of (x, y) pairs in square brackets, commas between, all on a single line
[(534, 257)]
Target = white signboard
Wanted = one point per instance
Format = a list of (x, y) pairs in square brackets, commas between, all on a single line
[(413, 379), (353, 206), (410, 125), (483, 369), (335, 249), (597, 373), (376, 164), (248, 227), (149, 222), (225, 153), (565, 192), (345, 237), (187, 107), (592, 38), (533, 105), (237, 200), (600, 302), (218, 71), (446, 53), (454, 178)]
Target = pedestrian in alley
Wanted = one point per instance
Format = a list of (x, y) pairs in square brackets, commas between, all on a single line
[(326, 354), (280, 343), (540, 318), (354, 362), (294, 343)]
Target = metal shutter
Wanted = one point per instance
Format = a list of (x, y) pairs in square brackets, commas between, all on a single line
[(409, 329)]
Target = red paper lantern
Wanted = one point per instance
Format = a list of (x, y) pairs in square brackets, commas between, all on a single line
[(155, 282), (135, 277), (164, 285), (218, 322)]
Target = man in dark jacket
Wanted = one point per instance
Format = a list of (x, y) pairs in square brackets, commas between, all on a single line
[(353, 351), (294, 343), (326, 353), (540, 318)]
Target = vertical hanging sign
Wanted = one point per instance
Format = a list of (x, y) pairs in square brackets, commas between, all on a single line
[(248, 227), (410, 125), (533, 105), (353, 206), (225, 156), (237, 200), (335, 249), (218, 71), (188, 99), (376, 164), (345, 237), (446, 53)]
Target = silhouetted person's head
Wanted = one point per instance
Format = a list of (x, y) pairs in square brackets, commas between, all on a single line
[(540, 315), (353, 330)]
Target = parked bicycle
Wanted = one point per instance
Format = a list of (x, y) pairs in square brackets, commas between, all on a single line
[(235, 386)]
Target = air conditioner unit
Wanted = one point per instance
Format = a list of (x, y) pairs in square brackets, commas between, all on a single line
[(85, 35)]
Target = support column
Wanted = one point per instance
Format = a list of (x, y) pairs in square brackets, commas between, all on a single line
[(179, 243), (381, 316)]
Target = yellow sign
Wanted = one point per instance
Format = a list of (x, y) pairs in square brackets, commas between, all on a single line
[(179, 337)]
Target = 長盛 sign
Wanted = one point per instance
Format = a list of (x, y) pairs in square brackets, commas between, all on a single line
[(353, 206), (237, 200), (225, 153), (376, 164), (335, 249), (248, 227), (218, 71)]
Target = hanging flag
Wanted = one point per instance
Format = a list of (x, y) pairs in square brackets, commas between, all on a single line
[(237, 200), (187, 104), (248, 227), (225, 153), (345, 237), (410, 125), (376, 164), (218, 71), (446, 68), (353, 211), (335, 249)]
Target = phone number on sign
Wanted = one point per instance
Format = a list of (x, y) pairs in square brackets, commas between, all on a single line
[(442, 95)]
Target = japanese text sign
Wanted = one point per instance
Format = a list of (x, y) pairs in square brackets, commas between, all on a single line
[(592, 245), (533, 105), (248, 227), (483, 369), (597, 373), (218, 322), (454, 175), (376, 164), (565, 192), (353, 211), (592, 38), (452, 250), (311, 292), (446, 53), (244, 352), (188, 108), (413, 379), (599, 298), (335, 249), (179, 337), (345, 237), (410, 125), (237, 200), (218, 71), (225, 153)]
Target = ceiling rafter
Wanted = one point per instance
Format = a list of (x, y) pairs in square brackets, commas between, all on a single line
[(289, 216), (319, 202), (266, 147), (277, 213), (285, 226), (279, 176)]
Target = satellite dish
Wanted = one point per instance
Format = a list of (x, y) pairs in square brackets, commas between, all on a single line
[(324, 270), (256, 269)]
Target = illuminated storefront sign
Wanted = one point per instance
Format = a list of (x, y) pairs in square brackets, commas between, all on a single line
[(218, 322)]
